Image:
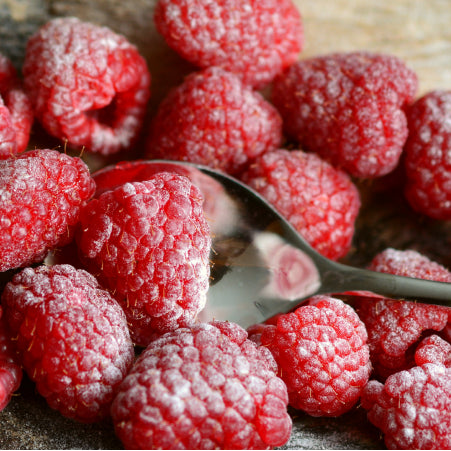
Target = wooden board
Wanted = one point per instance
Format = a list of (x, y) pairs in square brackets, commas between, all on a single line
[(415, 30)]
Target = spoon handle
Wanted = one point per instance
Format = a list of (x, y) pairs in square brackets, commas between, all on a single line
[(342, 278)]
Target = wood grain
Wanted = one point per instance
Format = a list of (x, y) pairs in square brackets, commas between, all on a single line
[(417, 31)]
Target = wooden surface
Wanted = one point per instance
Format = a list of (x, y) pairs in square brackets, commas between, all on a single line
[(418, 31)]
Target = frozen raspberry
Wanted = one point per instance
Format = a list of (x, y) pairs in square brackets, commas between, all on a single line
[(412, 408), (254, 39), (10, 369), (212, 119), (409, 263), (41, 193), (89, 86), (72, 337), (321, 202), (433, 349), (322, 355), (219, 208), (149, 243), (348, 107), (426, 161), (16, 113), (204, 387), (395, 328)]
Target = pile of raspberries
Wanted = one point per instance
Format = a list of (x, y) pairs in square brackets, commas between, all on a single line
[(104, 272)]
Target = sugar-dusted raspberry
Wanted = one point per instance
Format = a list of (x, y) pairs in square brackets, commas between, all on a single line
[(322, 355), (433, 349), (149, 243), (395, 328), (41, 193), (319, 200), (16, 112), (348, 107), (10, 368), (213, 119), (426, 161), (89, 86), (412, 408), (204, 387), (254, 39), (409, 263), (72, 337)]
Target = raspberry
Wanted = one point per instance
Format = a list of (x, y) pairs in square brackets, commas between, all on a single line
[(412, 408), (218, 207), (16, 112), (409, 263), (427, 166), (321, 202), (254, 39), (41, 193), (322, 355), (149, 243), (213, 119), (395, 328), (10, 369), (348, 107), (433, 349), (89, 86), (72, 337), (204, 387)]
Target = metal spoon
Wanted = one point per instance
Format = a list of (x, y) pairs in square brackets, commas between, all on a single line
[(261, 265)]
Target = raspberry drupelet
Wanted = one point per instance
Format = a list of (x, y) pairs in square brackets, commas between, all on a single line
[(88, 85), (204, 387), (322, 355), (41, 194), (149, 243), (72, 337), (349, 108), (16, 112), (213, 119), (320, 201), (427, 164), (252, 38)]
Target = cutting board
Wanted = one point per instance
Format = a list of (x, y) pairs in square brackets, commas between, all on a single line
[(415, 30)]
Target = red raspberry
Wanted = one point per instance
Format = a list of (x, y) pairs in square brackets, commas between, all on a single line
[(72, 337), (322, 355), (433, 349), (413, 408), (149, 243), (88, 85), (213, 119), (348, 107), (254, 39), (204, 387), (10, 369), (426, 161), (396, 327), (320, 201), (219, 208), (409, 263), (16, 113), (41, 193)]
